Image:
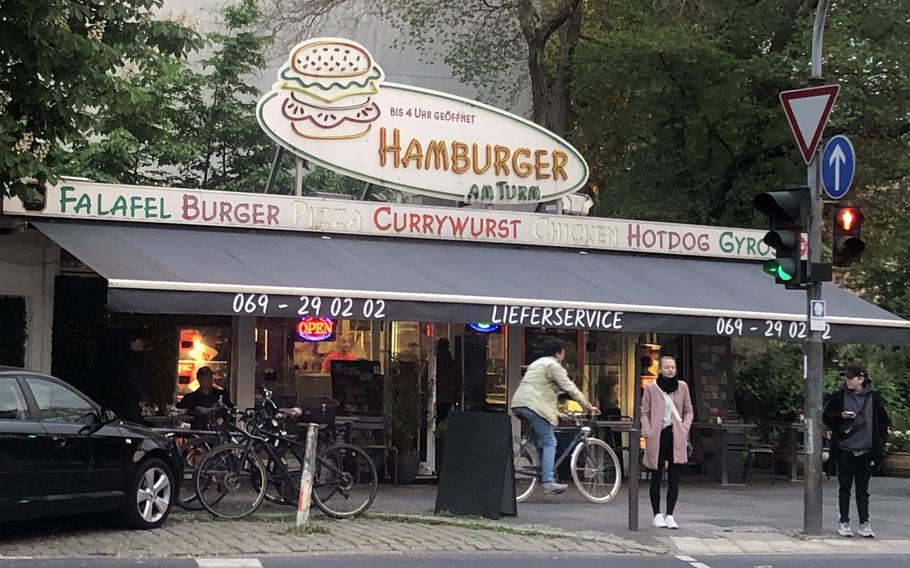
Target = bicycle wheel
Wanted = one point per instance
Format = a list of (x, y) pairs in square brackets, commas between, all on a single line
[(596, 471), (193, 451), (527, 469), (231, 482), (345, 482)]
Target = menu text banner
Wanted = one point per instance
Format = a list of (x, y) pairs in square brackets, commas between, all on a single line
[(72, 199)]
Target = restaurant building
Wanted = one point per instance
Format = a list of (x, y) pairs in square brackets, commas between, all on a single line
[(331, 298), (405, 311)]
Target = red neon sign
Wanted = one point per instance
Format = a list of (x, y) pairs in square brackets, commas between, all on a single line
[(315, 329)]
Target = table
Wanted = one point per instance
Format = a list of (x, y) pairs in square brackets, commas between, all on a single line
[(725, 428), (793, 430)]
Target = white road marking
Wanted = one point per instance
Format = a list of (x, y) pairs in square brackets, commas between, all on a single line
[(699, 565), (685, 558), (228, 563)]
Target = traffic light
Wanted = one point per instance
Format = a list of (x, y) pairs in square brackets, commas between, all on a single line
[(848, 221), (787, 211)]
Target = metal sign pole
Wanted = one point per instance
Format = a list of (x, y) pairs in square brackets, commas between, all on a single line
[(814, 349), (635, 442), (306, 476), (273, 172)]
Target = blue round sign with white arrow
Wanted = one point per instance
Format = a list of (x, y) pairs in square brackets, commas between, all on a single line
[(838, 166)]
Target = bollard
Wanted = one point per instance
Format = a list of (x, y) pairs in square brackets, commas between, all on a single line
[(306, 476)]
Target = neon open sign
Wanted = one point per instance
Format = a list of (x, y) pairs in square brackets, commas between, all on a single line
[(315, 329)]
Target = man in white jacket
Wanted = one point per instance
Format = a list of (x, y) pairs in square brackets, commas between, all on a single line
[(536, 400)]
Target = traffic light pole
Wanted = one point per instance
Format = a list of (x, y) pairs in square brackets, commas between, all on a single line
[(814, 349)]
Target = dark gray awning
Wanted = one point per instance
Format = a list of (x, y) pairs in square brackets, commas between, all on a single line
[(159, 269)]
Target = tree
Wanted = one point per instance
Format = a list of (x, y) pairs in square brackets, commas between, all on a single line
[(64, 63), (677, 109), (187, 123), (484, 42)]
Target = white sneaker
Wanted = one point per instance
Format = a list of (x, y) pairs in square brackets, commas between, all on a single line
[(660, 522), (554, 488), (844, 529), (671, 522), (865, 530)]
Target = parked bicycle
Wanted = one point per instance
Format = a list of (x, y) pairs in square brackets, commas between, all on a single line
[(593, 463), (194, 445), (234, 479)]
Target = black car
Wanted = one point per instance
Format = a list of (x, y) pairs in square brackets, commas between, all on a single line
[(63, 454)]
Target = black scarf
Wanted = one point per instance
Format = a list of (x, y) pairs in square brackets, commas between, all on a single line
[(669, 386)]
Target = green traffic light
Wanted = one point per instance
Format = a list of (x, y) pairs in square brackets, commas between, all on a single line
[(775, 269)]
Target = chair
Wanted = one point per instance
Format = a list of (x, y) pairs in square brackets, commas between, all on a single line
[(739, 442), (371, 433)]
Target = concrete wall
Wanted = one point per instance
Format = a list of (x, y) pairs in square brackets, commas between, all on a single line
[(29, 262)]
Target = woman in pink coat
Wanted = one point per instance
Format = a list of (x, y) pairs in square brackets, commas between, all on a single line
[(666, 431)]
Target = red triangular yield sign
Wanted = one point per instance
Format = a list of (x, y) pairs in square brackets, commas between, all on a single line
[(807, 111)]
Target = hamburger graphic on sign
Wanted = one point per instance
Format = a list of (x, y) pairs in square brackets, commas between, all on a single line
[(329, 87), (332, 106)]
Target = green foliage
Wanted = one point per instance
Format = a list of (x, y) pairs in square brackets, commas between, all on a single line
[(403, 392), (83, 352), (888, 370), (899, 441), (769, 381), (65, 62), (186, 123), (768, 378), (677, 108)]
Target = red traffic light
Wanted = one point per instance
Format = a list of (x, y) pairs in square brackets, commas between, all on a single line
[(848, 220), (847, 246)]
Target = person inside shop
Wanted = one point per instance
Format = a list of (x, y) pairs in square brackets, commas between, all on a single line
[(343, 352), (132, 378), (200, 402), (536, 400), (666, 417), (448, 380), (859, 423)]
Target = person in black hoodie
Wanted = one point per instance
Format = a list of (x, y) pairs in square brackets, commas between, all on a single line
[(859, 422), (132, 378)]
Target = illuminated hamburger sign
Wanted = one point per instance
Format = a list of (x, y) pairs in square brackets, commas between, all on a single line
[(332, 106)]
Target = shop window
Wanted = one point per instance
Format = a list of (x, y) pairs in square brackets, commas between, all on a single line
[(298, 361), (604, 372), (203, 347), (649, 363), (483, 356)]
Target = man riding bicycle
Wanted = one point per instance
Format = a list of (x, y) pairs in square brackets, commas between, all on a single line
[(536, 400)]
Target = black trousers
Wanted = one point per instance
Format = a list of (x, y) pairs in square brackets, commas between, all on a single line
[(673, 471), (854, 469)]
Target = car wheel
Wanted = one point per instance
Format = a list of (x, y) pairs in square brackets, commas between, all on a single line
[(151, 495)]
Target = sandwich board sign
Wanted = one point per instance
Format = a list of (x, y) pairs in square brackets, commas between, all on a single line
[(807, 112), (332, 106)]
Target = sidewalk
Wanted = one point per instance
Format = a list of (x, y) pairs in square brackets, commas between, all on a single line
[(273, 533), (764, 518)]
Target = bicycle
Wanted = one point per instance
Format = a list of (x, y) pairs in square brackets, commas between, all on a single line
[(194, 445), (595, 468), (232, 480)]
